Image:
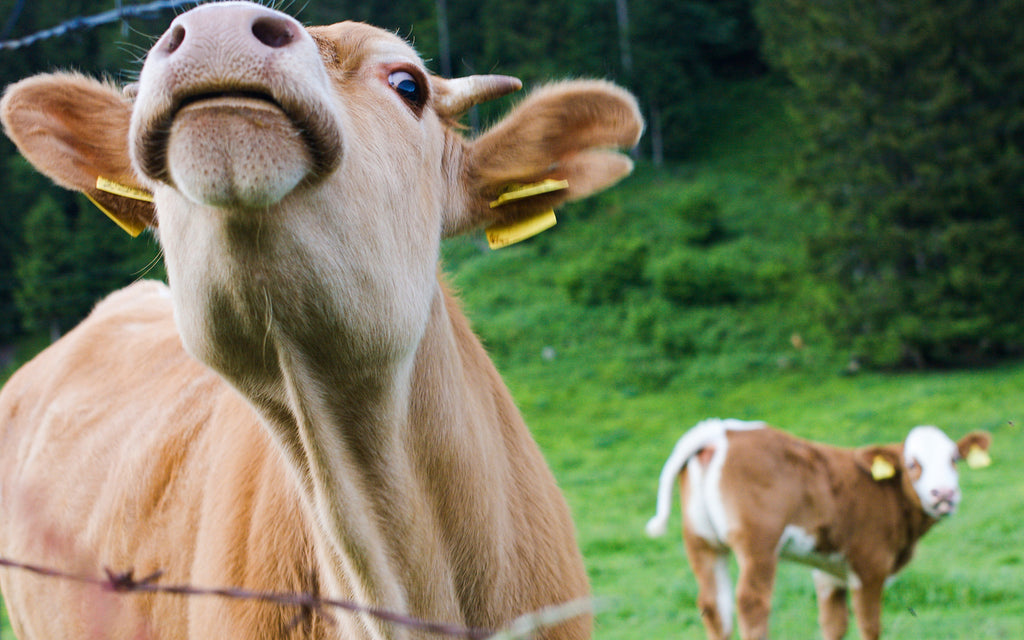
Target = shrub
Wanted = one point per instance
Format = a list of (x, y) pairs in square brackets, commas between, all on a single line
[(608, 273)]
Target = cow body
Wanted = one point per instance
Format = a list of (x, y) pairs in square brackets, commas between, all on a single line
[(302, 180), (116, 450), (766, 495)]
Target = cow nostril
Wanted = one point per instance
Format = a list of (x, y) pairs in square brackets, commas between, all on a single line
[(175, 38), (274, 32)]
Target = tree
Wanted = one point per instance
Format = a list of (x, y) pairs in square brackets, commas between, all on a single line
[(678, 47), (915, 144), (38, 254), (43, 271)]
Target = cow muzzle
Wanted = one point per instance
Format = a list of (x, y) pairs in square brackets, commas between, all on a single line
[(234, 107), (943, 502)]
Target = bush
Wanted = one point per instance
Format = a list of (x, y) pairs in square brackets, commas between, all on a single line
[(725, 274), (701, 214), (608, 273)]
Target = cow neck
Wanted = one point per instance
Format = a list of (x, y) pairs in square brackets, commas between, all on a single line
[(398, 442), (916, 524)]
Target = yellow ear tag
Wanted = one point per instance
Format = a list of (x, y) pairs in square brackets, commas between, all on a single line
[(978, 458), (109, 186), (882, 469), (500, 236), (131, 229), (520, 191), (122, 190)]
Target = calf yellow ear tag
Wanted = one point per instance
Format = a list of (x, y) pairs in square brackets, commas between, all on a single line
[(882, 469), (978, 458), (500, 236)]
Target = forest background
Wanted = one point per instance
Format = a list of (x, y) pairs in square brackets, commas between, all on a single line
[(904, 122), (823, 231)]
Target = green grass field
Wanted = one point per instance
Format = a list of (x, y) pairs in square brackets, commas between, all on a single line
[(607, 448), (609, 385)]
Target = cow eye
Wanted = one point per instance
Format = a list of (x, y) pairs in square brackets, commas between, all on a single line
[(406, 86)]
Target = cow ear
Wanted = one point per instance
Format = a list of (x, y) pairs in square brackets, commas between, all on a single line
[(882, 463), (74, 130), (974, 449), (559, 144)]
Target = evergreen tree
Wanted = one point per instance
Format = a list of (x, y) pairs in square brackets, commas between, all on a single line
[(679, 46), (912, 113), (43, 270), (35, 212)]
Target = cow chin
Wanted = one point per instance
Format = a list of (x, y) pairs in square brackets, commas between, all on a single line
[(238, 154)]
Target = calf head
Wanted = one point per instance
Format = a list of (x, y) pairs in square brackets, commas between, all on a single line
[(308, 173), (925, 463)]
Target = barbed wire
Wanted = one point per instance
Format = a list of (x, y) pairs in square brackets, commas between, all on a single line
[(88, 22), (522, 627)]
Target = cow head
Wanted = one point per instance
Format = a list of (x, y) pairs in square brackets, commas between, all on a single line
[(308, 174), (926, 463)]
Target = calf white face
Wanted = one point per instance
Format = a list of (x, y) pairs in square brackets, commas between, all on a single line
[(930, 457)]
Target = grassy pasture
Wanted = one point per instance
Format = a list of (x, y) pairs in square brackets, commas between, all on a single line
[(607, 449)]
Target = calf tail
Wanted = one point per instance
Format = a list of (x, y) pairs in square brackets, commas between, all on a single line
[(686, 447), (705, 433)]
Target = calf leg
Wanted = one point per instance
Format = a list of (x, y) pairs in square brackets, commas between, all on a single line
[(867, 608), (833, 614), (754, 590), (714, 596)]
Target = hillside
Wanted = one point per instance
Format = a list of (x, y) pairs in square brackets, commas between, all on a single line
[(672, 272)]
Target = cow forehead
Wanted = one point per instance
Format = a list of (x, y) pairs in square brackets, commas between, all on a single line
[(351, 45), (928, 445)]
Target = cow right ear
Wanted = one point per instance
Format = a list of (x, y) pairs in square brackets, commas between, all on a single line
[(974, 449), (74, 130), (882, 463), (562, 143)]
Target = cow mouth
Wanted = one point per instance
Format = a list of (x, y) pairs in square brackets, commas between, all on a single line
[(943, 508), (318, 131), (214, 98)]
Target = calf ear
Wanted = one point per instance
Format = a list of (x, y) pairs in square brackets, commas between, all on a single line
[(567, 133), (882, 463), (74, 130), (974, 449)]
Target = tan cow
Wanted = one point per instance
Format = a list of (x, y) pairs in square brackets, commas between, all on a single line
[(853, 514), (363, 445)]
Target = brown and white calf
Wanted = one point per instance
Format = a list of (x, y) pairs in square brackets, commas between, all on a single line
[(853, 514), (355, 440)]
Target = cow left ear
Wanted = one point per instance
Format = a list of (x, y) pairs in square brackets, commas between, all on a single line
[(74, 130), (560, 144), (882, 463), (974, 449)]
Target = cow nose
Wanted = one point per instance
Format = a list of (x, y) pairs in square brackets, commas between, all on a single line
[(240, 25), (944, 500)]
